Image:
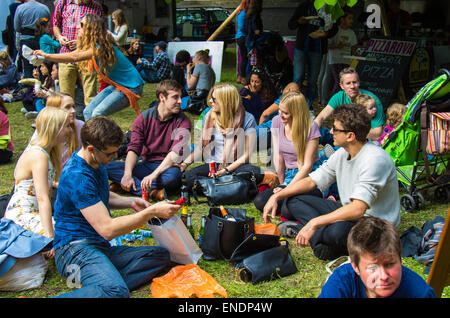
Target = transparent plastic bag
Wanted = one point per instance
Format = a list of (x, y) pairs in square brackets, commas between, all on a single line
[(173, 235)]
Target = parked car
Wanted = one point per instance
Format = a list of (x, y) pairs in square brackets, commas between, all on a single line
[(198, 24)]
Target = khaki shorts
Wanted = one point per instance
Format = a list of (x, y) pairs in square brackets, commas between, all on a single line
[(68, 74)]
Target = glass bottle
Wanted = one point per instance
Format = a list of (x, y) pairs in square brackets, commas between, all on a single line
[(184, 190), (189, 225), (225, 214), (184, 214), (202, 230)]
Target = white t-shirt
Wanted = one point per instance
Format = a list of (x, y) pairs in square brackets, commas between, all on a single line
[(348, 37), (215, 148), (370, 177)]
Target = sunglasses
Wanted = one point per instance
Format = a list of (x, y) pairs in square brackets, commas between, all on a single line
[(341, 130)]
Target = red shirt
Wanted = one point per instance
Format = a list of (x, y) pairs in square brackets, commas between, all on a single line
[(67, 16), (153, 139)]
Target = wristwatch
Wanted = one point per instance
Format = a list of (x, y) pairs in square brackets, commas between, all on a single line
[(226, 170)]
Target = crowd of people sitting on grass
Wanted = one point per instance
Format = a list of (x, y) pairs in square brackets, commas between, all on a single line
[(67, 180)]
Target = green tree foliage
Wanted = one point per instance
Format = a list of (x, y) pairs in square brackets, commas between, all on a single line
[(334, 7)]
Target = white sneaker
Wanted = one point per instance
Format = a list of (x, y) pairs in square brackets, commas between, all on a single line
[(24, 110), (31, 115)]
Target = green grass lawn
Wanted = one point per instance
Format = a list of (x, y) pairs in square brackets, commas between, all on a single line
[(306, 283)]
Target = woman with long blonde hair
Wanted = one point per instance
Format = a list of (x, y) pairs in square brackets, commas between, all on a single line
[(295, 141), (73, 143), (36, 169), (97, 51), (226, 152)]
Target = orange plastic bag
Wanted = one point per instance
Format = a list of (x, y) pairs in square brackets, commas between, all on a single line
[(186, 281), (267, 228)]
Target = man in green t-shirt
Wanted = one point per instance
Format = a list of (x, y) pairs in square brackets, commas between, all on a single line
[(349, 82)]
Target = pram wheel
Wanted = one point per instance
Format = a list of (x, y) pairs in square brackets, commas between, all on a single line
[(420, 200), (408, 203), (442, 194)]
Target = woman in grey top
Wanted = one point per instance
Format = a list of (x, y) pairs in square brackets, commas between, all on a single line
[(199, 73)]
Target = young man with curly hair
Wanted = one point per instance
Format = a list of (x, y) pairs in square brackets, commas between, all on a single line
[(367, 184)]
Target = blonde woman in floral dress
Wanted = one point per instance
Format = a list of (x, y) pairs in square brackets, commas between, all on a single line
[(36, 169)]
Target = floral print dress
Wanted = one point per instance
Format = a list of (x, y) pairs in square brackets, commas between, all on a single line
[(23, 206)]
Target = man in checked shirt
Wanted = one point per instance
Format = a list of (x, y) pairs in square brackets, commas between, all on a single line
[(66, 22), (157, 70)]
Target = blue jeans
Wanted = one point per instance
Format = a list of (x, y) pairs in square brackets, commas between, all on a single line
[(310, 63), (108, 271), (109, 101), (169, 179), (148, 74)]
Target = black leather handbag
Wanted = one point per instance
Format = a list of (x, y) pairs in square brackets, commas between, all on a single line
[(222, 236), (197, 102), (253, 244), (235, 188), (267, 265)]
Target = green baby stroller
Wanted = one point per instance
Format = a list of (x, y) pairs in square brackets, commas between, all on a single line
[(420, 146)]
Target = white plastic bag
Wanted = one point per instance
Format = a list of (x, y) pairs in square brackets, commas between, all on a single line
[(173, 235), (33, 59), (27, 273)]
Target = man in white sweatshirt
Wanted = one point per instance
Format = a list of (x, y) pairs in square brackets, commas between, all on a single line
[(367, 183)]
